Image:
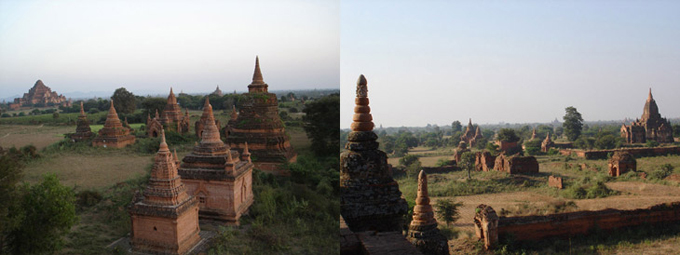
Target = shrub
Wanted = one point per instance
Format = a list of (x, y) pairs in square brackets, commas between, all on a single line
[(660, 174), (447, 210), (87, 198), (652, 143)]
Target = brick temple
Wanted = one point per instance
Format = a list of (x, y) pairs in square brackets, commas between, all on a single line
[(113, 134), (219, 177), (165, 217), (83, 130), (258, 124), (171, 119), (39, 94), (651, 126), (471, 134), (203, 121), (370, 198)]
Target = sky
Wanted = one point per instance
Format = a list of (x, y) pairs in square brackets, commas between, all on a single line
[(149, 46), (434, 62)]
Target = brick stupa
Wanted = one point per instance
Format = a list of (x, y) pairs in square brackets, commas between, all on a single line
[(171, 119), (203, 121), (113, 134), (423, 231), (83, 130), (220, 178), (370, 198), (40, 95), (165, 218), (471, 136), (258, 124)]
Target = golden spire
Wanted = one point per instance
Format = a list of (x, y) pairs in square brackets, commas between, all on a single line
[(363, 120)]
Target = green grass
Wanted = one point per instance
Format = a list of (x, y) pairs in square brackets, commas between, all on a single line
[(96, 128), (48, 119)]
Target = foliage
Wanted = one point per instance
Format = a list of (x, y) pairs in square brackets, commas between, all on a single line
[(507, 135), (153, 104), (573, 123), (49, 205), (660, 174), (124, 101), (492, 148), (442, 162), (10, 215), (607, 142), (533, 147), (411, 164), (585, 143), (322, 119), (651, 143), (587, 188), (447, 210), (456, 127)]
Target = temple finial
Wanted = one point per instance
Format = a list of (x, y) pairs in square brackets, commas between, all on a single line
[(257, 75), (164, 145), (82, 111), (649, 97), (363, 120)]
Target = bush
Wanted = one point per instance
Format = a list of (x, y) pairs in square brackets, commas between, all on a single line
[(87, 198), (652, 143), (660, 174), (587, 188)]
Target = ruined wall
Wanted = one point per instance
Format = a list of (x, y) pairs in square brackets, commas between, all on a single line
[(484, 161), (578, 223), (555, 182), (637, 152), (516, 164)]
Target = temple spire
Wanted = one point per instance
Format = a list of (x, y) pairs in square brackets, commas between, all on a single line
[(257, 75), (363, 120), (649, 97), (164, 145), (82, 111)]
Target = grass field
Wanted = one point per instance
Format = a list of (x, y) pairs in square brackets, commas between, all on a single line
[(38, 135)]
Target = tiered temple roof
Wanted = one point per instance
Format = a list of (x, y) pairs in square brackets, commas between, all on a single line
[(171, 118), (259, 124), (165, 217), (651, 126), (113, 134), (202, 122), (370, 198), (83, 131), (217, 175), (423, 231)]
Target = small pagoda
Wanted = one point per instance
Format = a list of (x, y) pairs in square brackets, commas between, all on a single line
[(370, 198), (423, 231), (164, 218), (203, 121), (83, 130), (171, 119), (219, 177), (258, 124), (113, 134), (547, 143)]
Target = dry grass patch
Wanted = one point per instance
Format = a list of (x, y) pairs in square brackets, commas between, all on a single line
[(39, 136), (89, 171)]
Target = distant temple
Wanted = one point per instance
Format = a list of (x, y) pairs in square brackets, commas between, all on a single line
[(39, 95), (259, 125), (203, 122), (471, 136), (83, 130), (113, 134), (651, 126), (171, 119), (217, 91)]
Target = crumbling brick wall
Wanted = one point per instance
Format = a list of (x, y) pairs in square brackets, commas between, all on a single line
[(554, 181), (484, 161), (516, 164)]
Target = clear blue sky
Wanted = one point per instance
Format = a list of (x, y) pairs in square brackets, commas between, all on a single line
[(511, 61), (151, 45)]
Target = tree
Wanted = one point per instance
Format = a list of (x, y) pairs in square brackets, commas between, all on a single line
[(10, 215), (50, 212), (607, 142), (507, 135), (322, 119), (467, 162), (124, 101), (456, 126), (411, 164), (573, 123), (447, 210), (153, 104), (532, 147)]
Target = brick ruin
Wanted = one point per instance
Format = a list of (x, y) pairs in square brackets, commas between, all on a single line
[(171, 119), (83, 130), (471, 136), (516, 164), (370, 198), (458, 152), (486, 225), (505, 145), (219, 177), (258, 123), (39, 94), (637, 152), (113, 134), (547, 143), (164, 217), (651, 126), (563, 225), (423, 232), (621, 163), (203, 121), (555, 182), (217, 91), (484, 161)]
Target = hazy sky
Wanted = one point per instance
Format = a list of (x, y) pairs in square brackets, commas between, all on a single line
[(149, 46), (515, 61)]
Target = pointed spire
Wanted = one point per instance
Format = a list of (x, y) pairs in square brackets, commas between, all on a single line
[(171, 98), (210, 135), (649, 97), (422, 212), (257, 75), (234, 114), (229, 157), (175, 156), (363, 120), (156, 114), (245, 150), (164, 145), (82, 111)]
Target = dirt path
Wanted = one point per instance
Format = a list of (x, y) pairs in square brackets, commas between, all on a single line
[(634, 195)]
